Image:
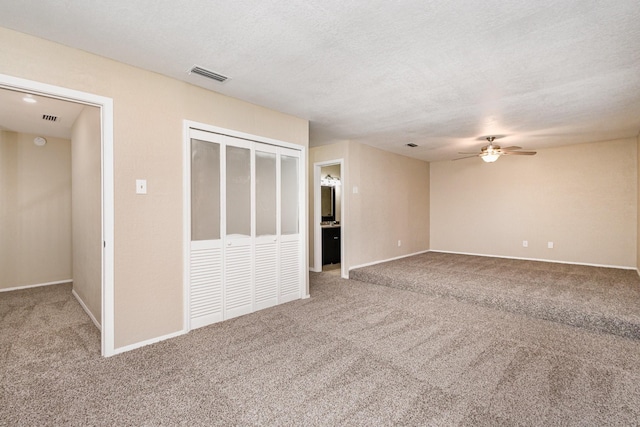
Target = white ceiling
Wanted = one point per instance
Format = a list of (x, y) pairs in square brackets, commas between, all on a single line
[(19, 116), (441, 74)]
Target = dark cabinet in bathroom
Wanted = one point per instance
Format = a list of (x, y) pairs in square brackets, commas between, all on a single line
[(330, 245)]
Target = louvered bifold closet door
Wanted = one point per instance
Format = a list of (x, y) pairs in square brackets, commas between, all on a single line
[(290, 235), (266, 226), (245, 237), (205, 257), (239, 214)]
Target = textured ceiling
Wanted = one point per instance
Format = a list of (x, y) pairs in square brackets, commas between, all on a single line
[(440, 74), (19, 116)]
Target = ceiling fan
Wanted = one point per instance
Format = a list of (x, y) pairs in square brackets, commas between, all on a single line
[(490, 153)]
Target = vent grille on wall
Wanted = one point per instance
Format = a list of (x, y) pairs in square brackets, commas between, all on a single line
[(208, 74), (49, 118)]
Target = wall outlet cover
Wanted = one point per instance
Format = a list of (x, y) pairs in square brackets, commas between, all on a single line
[(141, 186)]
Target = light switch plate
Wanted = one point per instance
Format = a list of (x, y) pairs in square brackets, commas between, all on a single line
[(141, 186)]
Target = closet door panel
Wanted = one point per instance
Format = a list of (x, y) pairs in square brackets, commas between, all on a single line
[(238, 194), (205, 257), (266, 240), (290, 239), (266, 276), (238, 278), (238, 256), (289, 187), (206, 286), (289, 270)]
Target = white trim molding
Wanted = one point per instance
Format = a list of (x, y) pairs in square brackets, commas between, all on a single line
[(387, 260), (145, 343), (620, 267), (18, 288), (86, 309)]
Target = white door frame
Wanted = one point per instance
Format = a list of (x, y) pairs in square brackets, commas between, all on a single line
[(106, 116), (317, 217)]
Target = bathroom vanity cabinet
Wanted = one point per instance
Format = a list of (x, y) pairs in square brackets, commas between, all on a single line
[(330, 245)]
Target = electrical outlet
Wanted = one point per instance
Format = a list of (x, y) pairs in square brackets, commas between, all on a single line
[(141, 186), (525, 244), (550, 245)]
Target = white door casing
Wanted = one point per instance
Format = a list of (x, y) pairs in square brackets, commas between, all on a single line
[(105, 105)]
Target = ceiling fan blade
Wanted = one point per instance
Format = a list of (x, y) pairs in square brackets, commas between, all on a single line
[(466, 157), (512, 148), (464, 152), (519, 153)]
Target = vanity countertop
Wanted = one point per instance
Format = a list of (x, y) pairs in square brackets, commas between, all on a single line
[(330, 225)]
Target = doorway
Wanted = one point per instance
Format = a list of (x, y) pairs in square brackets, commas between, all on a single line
[(105, 106), (329, 217)]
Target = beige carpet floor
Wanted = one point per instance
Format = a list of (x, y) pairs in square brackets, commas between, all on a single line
[(353, 354), (597, 298)]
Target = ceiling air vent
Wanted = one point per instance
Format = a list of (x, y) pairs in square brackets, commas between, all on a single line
[(49, 118), (208, 74), (412, 145)]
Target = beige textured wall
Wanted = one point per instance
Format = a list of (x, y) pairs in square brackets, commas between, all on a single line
[(582, 197), (86, 214), (148, 114), (638, 205), (392, 202), (35, 217)]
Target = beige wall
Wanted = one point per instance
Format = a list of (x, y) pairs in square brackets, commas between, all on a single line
[(638, 205), (149, 110), (582, 197), (392, 202), (35, 216), (86, 210)]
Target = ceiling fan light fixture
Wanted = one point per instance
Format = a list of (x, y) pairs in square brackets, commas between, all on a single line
[(490, 158)]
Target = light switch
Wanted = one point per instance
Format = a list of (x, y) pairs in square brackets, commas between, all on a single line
[(355, 190), (141, 186)]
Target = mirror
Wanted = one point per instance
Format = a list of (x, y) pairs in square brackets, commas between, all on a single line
[(328, 203)]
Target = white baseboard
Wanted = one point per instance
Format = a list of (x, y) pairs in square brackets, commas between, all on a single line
[(621, 267), (147, 342), (86, 309), (17, 288), (386, 260)]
